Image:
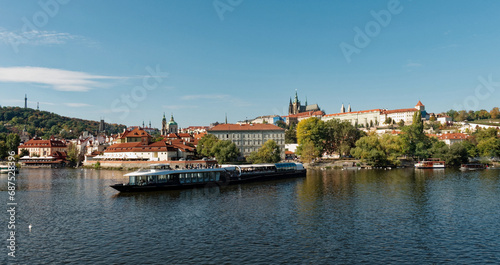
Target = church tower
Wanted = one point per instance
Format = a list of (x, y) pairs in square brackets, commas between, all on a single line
[(172, 125), (164, 131), (349, 108), (342, 109)]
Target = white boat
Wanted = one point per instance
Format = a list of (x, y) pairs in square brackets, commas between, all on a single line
[(431, 164), (4, 169)]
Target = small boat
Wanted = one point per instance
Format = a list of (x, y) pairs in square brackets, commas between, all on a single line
[(163, 177), (473, 166), (4, 169), (430, 164)]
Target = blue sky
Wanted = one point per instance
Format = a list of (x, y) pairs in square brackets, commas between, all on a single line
[(132, 61)]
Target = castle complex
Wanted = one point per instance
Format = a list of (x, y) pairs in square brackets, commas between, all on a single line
[(295, 107)]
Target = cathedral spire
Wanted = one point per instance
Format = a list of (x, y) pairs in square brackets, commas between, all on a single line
[(349, 108), (296, 97), (342, 109)]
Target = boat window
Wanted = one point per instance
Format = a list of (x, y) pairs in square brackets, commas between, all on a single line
[(152, 179), (188, 177), (182, 178), (217, 176), (131, 180), (162, 178), (212, 176), (207, 176)]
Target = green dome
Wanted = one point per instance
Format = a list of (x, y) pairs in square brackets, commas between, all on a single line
[(172, 122)]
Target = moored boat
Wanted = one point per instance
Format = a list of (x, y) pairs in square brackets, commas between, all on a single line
[(4, 169), (430, 164), (262, 172), (473, 166), (162, 177)]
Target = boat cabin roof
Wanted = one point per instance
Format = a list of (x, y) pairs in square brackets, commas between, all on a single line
[(170, 171)]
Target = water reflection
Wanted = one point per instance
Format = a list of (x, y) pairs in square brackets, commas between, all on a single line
[(334, 216)]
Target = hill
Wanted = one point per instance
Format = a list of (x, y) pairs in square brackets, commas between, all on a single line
[(44, 123)]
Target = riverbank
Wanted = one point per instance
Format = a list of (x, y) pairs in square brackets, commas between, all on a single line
[(132, 165)]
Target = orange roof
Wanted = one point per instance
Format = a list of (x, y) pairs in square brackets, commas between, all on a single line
[(136, 132), (246, 127), (33, 143), (453, 136), (353, 112), (399, 110), (419, 104)]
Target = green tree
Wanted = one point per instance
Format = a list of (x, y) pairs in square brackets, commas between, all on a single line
[(308, 151), (3, 150), (269, 153), (24, 152), (12, 142), (489, 147), (456, 155), (340, 137), (281, 124), (369, 150), (291, 135), (495, 113), (311, 129), (225, 151), (414, 140), (72, 155), (206, 144), (377, 151)]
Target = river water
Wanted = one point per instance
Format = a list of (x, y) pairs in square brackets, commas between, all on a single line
[(402, 216)]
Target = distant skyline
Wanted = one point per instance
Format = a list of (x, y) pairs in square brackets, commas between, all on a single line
[(132, 61)]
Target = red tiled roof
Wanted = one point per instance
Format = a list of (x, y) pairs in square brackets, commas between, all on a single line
[(136, 132), (419, 104), (398, 111), (246, 127), (38, 143), (353, 112), (453, 136)]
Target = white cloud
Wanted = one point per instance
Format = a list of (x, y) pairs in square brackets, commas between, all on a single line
[(58, 79), (41, 37)]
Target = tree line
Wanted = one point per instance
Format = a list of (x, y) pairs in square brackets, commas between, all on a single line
[(45, 124), (316, 137)]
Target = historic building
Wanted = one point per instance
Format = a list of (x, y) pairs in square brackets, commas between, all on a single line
[(43, 148), (169, 127), (250, 137), (367, 118), (137, 145), (405, 115), (296, 107)]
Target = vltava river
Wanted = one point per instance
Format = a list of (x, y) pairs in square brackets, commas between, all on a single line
[(331, 217)]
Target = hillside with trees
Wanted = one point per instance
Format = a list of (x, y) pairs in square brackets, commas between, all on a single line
[(44, 123)]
